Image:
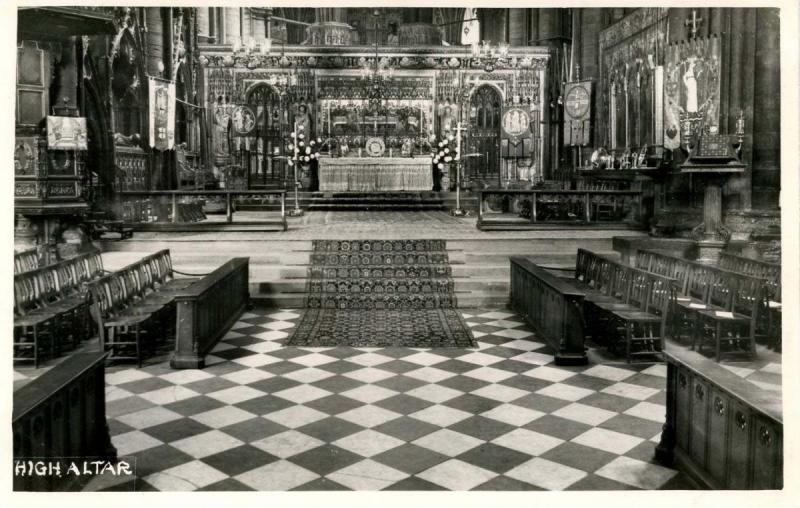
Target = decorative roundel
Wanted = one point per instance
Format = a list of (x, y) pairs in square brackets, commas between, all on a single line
[(516, 121), (577, 102), (375, 147), (243, 119)]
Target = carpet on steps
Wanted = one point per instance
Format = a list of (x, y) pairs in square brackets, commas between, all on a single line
[(381, 293)]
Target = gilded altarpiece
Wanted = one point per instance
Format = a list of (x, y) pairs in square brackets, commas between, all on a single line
[(428, 93)]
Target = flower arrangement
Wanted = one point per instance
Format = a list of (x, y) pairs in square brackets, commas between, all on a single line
[(445, 151), (303, 150)]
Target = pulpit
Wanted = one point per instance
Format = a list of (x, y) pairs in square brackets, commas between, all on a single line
[(712, 161)]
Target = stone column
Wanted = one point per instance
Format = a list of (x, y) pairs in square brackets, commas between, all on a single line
[(330, 27), (231, 22), (517, 29), (154, 40), (766, 123), (202, 24), (67, 76), (591, 22)]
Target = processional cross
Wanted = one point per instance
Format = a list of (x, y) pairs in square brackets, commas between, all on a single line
[(693, 22)]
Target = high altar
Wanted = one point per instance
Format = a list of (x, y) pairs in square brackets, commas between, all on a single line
[(373, 132)]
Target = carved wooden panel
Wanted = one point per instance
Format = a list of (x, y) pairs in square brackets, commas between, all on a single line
[(32, 79)]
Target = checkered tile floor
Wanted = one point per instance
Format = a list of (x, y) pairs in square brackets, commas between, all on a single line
[(503, 417)]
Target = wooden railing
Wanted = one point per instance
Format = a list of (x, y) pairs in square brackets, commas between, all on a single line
[(723, 431), (520, 207), (207, 310), (138, 208), (553, 307), (61, 415)]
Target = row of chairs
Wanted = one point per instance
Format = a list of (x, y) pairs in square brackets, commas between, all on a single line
[(25, 261), (714, 305), (627, 307), (771, 272), (51, 306), (134, 307), (191, 211)]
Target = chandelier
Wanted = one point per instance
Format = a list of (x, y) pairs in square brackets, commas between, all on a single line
[(489, 56)]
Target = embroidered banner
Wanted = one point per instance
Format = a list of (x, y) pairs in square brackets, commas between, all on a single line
[(692, 85), (162, 114)]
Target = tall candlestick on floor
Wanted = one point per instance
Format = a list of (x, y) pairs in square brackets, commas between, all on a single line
[(297, 212), (458, 211)]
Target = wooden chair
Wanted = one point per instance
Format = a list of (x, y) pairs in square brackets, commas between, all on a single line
[(124, 330), (735, 324), (643, 318)]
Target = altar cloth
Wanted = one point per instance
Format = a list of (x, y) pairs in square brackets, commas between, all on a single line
[(370, 174)]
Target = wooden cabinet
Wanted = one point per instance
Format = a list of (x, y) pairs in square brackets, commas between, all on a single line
[(723, 431)]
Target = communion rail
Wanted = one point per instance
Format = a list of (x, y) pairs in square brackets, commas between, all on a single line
[(525, 209), (193, 209)]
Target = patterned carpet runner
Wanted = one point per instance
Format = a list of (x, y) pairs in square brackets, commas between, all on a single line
[(381, 293)]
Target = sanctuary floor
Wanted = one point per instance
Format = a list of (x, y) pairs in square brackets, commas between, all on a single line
[(262, 416)]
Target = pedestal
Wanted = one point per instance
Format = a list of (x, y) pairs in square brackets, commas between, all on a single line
[(714, 176)]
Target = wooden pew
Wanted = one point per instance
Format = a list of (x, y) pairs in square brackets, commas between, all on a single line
[(25, 261), (61, 416), (206, 311), (552, 307), (50, 306), (712, 302)]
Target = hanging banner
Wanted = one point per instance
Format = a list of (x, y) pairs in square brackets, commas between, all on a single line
[(162, 114), (578, 113), (691, 86), (470, 27)]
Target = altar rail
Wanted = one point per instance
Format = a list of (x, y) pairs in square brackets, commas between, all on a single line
[(166, 209), (723, 431), (61, 414), (523, 209), (552, 307), (207, 310)]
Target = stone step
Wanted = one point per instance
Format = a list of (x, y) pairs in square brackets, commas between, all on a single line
[(492, 301), (278, 300)]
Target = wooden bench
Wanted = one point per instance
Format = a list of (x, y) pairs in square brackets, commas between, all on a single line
[(134, 306), (206, 311), (61, 416), (713, 304), (51, 308), (627, 306), (25, 261), (552, 307)]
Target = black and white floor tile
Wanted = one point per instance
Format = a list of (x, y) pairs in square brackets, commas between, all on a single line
[(262, 416)]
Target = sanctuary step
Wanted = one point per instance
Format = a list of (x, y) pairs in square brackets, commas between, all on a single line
[(368, 201), (279, 268)]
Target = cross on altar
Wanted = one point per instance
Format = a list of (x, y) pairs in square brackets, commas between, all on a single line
[(692, 23)]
